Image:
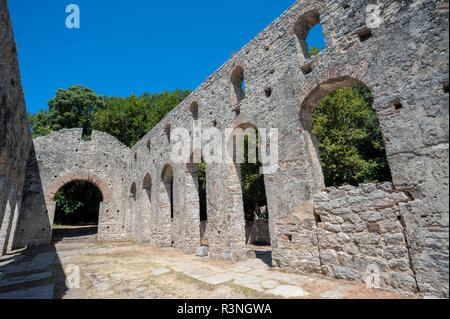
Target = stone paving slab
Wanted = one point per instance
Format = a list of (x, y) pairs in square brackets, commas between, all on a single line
[(185, 267), (255, 286), (247, 280), (288, 278), (269, 284), (117, 276), (333, 294), (160, 271), (199, 273), (287, 291), (90, 251), (25, 279), (42, 292), (241, 269), (221, 278)]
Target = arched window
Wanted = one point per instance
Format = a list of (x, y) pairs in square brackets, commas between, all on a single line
[(194, 110), (238, 82), (346, 132), (309, 35), (147, 186), (133, 191), (167, 131)]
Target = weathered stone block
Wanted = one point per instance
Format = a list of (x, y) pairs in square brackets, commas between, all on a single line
[(202, 251)]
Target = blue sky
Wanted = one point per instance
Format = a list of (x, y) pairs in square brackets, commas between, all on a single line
[(134, 46)]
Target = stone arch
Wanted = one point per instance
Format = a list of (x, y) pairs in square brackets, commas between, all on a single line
[(192, 204), (194, 108), (234, 214), (133, 193), (320, 91), (166, 207), (306, 18), (85, 176), (167, 130), (307, 107), (79, 176), (147, 186), (237, 80)]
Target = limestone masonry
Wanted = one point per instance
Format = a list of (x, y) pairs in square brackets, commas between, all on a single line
[(397, 230)]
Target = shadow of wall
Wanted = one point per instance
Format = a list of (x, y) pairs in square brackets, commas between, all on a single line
[(34, 227)]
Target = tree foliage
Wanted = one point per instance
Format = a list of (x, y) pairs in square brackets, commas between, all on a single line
[(128, 119), (314, 51), (77, 203), (347, 129), (349, 138), (252, 183)]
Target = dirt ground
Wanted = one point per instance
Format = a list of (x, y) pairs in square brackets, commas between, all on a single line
[(88, 269)]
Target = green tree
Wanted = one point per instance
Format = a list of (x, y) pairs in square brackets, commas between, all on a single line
[(129, 119), (74, 107), (40, 123), (125, 119), (77, 203), (252, 181), (313, 51), (349, 138)]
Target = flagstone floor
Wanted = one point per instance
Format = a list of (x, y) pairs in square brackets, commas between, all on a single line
[(89, 269)]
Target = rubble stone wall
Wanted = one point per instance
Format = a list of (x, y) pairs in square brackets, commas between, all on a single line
[(15, 135), (403, 61), (361, 235), (63, 157)]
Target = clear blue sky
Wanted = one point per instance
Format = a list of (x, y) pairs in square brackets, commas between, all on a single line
[(133, 46)]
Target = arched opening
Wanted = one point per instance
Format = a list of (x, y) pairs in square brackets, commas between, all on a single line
[(256, 212), (309, 34), (133, 196), (166, 204), (147, 187), (194, 110), (346, 133), (196, 196), (167, 130), (77, 210), (238, 82), (252, 191)]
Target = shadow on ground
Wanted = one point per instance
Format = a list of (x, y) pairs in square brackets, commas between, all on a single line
[(35, 273), (67, 233), (265, 256)]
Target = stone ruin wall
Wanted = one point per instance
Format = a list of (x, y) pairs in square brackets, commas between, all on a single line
[(353, 231), (15, 136), (404, 62), (63, 157)]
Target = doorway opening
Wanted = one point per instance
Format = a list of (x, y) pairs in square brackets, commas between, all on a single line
[(77, 211)]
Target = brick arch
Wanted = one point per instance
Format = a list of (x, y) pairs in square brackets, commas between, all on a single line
[(316, 6), (78, 176), (318, 89), (329, 75)]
